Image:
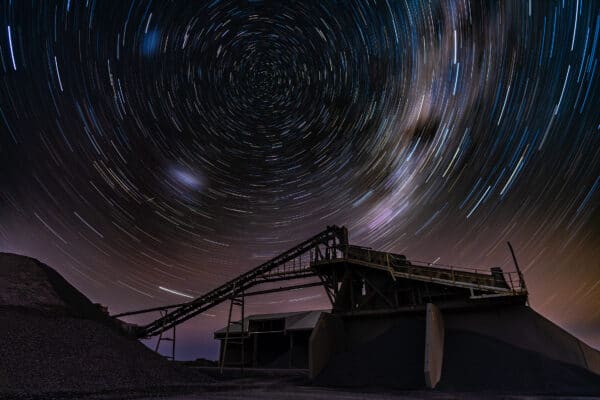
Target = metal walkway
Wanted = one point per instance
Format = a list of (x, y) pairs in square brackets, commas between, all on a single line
[(497, 282)]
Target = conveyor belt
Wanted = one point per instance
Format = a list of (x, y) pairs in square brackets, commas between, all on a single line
[(294, 263)]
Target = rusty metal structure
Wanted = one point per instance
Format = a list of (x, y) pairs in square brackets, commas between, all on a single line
[(393, 321), (293, 264), (356, 280), (359, 279)]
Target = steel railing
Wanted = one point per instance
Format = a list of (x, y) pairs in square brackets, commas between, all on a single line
[(494, 279)]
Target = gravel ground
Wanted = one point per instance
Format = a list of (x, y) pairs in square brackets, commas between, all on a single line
[(312, 393), (281, 387)]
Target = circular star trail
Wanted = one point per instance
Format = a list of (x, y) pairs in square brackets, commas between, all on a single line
[(152, 150)]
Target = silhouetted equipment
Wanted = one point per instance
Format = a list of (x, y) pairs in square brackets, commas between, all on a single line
[(279, 341), (344, 271), (162, 338), (393, 321), (514, 257), (240, 338), (290, 265)]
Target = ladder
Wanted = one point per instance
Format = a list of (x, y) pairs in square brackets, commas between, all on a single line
[(162, 338), (239, 302)]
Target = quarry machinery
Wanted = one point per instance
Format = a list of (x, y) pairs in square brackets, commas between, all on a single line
[(448, 325), (293, 264), (356, 280)]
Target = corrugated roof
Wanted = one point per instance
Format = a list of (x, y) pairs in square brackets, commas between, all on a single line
[(305, 321)]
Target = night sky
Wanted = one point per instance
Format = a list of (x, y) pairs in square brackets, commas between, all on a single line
[(152, 150)]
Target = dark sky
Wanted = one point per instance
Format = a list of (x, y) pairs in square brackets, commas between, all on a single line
[(153, 150)]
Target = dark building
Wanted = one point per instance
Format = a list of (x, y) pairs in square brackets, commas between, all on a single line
[(270, 340)]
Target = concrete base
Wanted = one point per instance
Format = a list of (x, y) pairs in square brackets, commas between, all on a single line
[(378, 350), (591, 357), (506, 348), (326, 340), (434, 346)]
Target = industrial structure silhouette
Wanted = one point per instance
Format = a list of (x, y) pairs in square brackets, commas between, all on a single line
[(393, 321)]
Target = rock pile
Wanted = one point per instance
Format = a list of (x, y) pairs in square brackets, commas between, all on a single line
[(55, 340)]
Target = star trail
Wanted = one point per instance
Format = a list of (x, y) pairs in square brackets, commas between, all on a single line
[(152, 150)]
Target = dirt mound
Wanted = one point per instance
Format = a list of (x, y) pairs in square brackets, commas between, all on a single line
[(53, 339), (30, 284)]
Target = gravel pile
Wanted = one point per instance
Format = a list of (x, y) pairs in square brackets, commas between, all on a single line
[(53, 339), (474, 362)]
